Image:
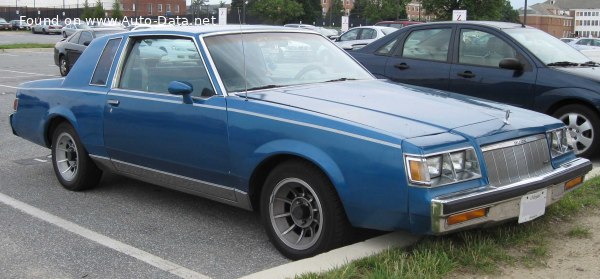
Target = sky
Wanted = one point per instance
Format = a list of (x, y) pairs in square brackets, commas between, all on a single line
[(520, 3)]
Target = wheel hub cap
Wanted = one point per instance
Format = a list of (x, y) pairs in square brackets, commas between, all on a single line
[(301, 210)]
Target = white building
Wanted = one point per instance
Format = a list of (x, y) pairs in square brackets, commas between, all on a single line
[(587, 22)]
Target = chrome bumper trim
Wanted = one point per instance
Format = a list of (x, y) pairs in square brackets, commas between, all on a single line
[(503, 202)]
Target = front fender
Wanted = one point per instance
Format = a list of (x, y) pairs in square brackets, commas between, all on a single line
[(546, 102)]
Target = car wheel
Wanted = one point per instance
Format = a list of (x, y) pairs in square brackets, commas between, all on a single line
[(63, 66), (72, 165), (584, 125), (44, 31), (301, 211), (32, 31)]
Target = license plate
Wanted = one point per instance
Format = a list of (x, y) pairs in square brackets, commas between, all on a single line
[(532, 206)]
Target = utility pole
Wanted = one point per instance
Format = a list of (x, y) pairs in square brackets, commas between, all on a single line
[(525, 14)]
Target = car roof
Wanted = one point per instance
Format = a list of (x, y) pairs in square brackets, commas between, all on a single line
[(493, 24), (216, 29)]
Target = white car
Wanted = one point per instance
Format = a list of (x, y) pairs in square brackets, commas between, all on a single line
[(586, 43), (361, 36), (48, 27), (69, 29)]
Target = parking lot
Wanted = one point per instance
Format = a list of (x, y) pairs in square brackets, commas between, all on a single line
[(20, 37)]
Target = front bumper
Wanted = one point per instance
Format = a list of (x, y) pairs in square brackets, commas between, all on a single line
[(10, 120), (503, 203)]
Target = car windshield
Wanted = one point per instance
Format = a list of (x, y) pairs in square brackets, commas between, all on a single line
[(546, 47), (2, 20), (280, 59)]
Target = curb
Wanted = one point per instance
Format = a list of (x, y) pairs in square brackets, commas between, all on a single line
[(338, 257)]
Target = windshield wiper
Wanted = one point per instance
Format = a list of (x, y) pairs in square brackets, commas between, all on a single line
[(340, 79), (264, 87), (590, 63), (563, 64)]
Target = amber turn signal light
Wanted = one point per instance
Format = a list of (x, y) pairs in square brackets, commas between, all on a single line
[(416, 171), (573, 182), (15, 104), (466, 216)]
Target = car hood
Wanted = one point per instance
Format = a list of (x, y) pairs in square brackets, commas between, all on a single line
[(404, 111), (592, 73)]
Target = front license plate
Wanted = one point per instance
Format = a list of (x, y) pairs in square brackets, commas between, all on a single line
[(532, 206)]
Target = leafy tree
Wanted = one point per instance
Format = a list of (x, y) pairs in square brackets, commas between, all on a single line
[(277, 11), (476, 9), (99, 10), (377, 10), (222, 4), (509, 14), (312, 10), (87, 11), (116, 10), (336, 11)]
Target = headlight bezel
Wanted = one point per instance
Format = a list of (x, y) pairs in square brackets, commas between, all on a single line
[(418, 166), (559, 142)]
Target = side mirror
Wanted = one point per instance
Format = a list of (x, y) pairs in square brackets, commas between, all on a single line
[(511, 64), (183, 89), (334, 37), (86, 43)]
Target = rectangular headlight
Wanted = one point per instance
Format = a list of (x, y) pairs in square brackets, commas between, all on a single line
[(443, 168), (560, 141)]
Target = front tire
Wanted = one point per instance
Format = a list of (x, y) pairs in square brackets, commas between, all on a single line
[(584, 125), (64, 34), (301, 211), (73, 167), (63, 66)]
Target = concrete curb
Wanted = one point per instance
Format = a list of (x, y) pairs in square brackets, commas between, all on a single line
[(338, 257)]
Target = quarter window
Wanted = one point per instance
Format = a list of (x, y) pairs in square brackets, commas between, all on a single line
[(154, 62), (105, 62), (483, 49), (387, 48), (430, 44)]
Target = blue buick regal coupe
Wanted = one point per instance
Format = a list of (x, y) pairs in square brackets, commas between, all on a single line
[(283, 122)]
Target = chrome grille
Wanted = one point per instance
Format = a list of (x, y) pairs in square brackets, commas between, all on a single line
[(515, 160)]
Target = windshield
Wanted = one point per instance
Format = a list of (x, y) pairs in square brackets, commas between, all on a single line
[(280, 59), (546, 47)]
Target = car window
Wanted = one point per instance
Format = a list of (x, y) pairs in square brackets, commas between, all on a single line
[(154, 62), (85, 37), (350, 35), (105, 62), (387, 48), (368, 34), (75, 38), (429, 44), (584, 42), (482, 48)]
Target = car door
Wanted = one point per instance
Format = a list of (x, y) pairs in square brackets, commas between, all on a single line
[(476, 69), (422, 58), (347, 39), (156, 135)]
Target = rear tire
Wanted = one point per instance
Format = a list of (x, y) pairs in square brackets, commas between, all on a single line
[(584, 125), (301, 211), (73, 167)]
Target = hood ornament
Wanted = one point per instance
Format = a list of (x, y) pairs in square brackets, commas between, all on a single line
[(506, 117)]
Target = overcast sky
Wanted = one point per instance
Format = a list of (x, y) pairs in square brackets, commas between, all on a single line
[(29, 3)]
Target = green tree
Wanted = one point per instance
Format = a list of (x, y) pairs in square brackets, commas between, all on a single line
[(87, 11), (276, 11), (336, 11), (509, 14), (377, 10), (222, 4), (99, 10), (312, 10), (116, 10), (476, 9)]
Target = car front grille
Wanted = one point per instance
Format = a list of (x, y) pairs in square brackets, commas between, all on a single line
[(515, 160)]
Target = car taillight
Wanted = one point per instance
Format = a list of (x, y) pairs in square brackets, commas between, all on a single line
[(15, 104)]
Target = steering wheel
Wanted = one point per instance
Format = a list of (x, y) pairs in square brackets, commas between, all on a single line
[(309, 68)]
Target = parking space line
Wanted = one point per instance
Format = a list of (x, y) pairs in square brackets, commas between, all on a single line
[(33, 74), (103, 240), (13, 87)]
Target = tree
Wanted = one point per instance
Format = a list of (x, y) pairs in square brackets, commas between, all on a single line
[(312, 11), (222, 4), (476, 9), (116, 10), (277, 11), (335, 11), (509, 14), (99, 10), (87, 11), (377, 10)]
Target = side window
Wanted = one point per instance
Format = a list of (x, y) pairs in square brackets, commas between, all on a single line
[(75, 38), (430, 44), (482, 48), (387, 48), (153, 62), (368, 34), (350, 35), (105, 62), (85, 37), (583, 42)]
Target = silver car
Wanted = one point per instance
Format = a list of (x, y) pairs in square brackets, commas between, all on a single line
[(361, 36), (70, 29)]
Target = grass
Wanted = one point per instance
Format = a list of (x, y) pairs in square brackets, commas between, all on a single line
[(480, 251), (26, 45)]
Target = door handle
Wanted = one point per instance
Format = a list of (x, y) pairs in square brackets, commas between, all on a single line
[(113, 102), (467, 74), (402, 66)]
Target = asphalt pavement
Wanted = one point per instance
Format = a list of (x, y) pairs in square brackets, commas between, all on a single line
[(22, 37)]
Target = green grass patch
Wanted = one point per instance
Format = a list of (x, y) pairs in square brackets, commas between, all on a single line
[(27, 45), (579, 232), (479, 251)]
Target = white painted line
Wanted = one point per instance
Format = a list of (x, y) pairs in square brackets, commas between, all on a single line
[(13, 87), (6, 54), (338, 257), (33, 74), (16, 76), (141, 255), (40, 160)]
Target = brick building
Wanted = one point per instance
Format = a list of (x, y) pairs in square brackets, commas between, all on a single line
[(414, 11), (153, 8), (550, 18), (347, 4)]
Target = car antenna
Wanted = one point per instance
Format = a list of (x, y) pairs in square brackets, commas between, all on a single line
[(243, 54)]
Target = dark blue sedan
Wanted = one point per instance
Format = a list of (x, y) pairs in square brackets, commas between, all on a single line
[(284, 122), (504, 62)]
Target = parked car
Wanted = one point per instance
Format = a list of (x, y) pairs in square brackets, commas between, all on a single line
[(361, 36), (397, 23), (567, 40), (70, 29), (19, 25), (67, 51), (585, 43), (48, 27), (327, 32), (314, 145), (4, 25), (504, 62)]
